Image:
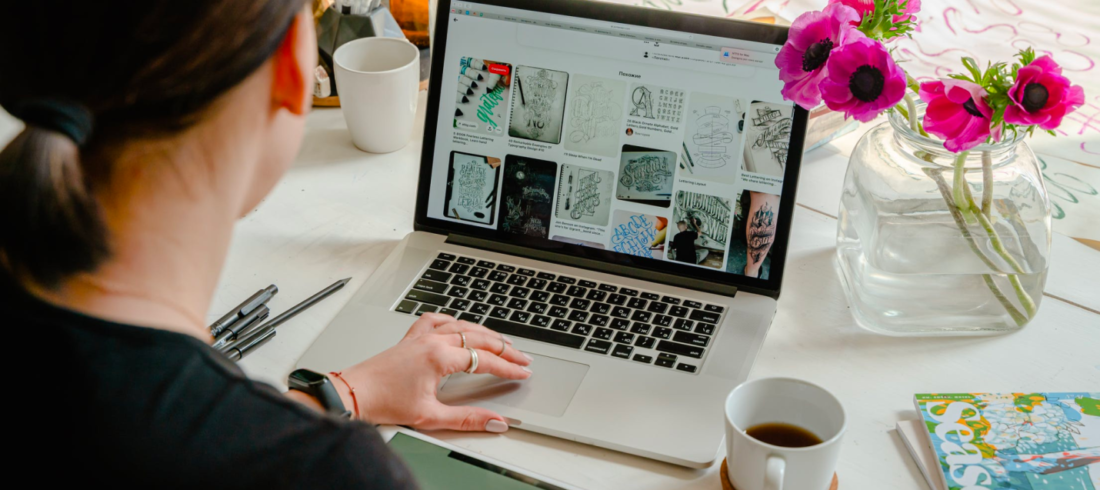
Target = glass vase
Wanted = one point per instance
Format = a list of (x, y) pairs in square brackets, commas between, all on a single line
[(934, 243)]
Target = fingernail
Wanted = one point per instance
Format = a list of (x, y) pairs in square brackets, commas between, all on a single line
[(525, 368), (496, 426), (529, 358)]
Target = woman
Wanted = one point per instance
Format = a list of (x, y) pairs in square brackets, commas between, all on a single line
[(150, 127)]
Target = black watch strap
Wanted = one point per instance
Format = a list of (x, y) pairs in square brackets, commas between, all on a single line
[(319, 387)]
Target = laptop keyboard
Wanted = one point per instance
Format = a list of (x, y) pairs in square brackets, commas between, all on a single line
[(598, 318)]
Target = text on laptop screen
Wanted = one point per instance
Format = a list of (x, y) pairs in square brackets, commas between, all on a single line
[(653, 143)]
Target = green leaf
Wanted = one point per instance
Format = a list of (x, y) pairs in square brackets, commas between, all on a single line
[(972, 67)]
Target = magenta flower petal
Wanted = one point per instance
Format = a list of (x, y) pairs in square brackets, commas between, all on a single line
[(862, 7), (957, 112), (812, 39), (908, 11), (1042, 96), (862, 80)]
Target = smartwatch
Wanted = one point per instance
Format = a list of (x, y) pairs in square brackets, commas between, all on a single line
[(320, 388)]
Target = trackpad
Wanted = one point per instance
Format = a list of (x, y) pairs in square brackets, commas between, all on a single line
[(548, 391)]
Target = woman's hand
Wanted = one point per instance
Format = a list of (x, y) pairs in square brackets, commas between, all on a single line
[(399, 385)]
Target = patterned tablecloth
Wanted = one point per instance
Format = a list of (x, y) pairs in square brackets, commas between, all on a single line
[(991, 30)]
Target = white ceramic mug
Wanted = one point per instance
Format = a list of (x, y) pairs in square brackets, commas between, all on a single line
[(378, 79), (756, 465)]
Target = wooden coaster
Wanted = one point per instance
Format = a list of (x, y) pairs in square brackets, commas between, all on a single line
[(726, 485)]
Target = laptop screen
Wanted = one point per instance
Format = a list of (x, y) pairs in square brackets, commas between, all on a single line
[(658, 148)]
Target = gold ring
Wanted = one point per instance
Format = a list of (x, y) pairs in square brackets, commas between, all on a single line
[(473, 361)]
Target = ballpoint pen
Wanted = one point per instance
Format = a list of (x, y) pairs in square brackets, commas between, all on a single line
[(242, 310), (249, 343), (241, 327)]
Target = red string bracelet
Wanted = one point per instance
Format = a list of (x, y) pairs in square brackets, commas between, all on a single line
[(354, 400)]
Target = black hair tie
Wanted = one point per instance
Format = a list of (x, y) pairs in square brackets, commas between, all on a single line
[(66, 117)]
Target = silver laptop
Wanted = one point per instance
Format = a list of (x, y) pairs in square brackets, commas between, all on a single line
[(613, 188)]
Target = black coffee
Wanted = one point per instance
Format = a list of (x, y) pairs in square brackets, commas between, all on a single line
[(783, 435)]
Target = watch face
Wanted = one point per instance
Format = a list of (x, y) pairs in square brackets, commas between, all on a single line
[(307, 377)]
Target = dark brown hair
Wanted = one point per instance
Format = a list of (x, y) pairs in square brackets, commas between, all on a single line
[(88, 76)]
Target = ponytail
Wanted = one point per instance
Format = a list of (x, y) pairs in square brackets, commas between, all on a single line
[(50, 223)]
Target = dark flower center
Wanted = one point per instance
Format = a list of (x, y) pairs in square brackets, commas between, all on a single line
[(816, 54), (972, 108), (1035, 97), (866, 83)]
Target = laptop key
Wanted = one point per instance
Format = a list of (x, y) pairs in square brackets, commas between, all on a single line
[(640, 328), (576, 291), (518, 292), (558, 311), (624, 338), (705, 329), (678, 311), (664, 361), (651, 296), (682, 324), (582, 329), (622, 351), (693, 304), (620, 312), (439, 265), (578, 316), (609, 288), (520, 316), (498, 276), (662, 320), (546, 276), (480, 309), (598, 320), (526, 272), (480, 284), (628, 292), (560, 300), (406, 306), (681, 349), (430, 286), (645, 342), (438, 276), (641, 316), (557, 287), (449, 312), (580, 304), (535, 333), (506, 268), (517, 280), (566, 280), (499, 312), (446, 256), (586, 284), (600, 308), (517, 303), (663, 333), (637, 303), (470, 317), (603, 334), (426, 309), (704, 316), (691, 338), (466, 260), (426, 297), (598, 346), (687, 368), (536, 283), (620, 323), (478, 272), (656, 307), (541, 321), (478, 296), (715, 308), (596, 295), (457, 292), (616, 299), (461, 280), (537, 308), (500, 288), (562, 325), (459, 304), (670, 300), (540, 296), (498, 300), (458, 268), (486, 264), (643, 358)]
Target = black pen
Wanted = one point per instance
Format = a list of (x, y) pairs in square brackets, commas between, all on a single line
[(251, 342), (240, 327), (242, 310), (310, 301)]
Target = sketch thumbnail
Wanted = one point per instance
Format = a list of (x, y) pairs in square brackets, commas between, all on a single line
[(657, 103), (483, 88), (595, 115), (471, 188), (767, 135), (584, 195), (527, 194), (712, 142), (705, 223), (639, 234), (646, 175), (538, 102)]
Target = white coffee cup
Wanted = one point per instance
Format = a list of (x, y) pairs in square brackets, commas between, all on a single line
[(757, 465), (378, 79)]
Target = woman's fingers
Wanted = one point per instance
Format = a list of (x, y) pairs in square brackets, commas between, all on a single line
[(490, 341), (465, 326), (470, 419), (459, 360), (428, 322)]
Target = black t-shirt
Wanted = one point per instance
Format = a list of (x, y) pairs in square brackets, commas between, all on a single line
[(684, 245), (125, 406)]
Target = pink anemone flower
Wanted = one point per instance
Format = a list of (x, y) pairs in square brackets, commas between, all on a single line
[(863, 80), (957, 112), (813, 37), (1041, 95)]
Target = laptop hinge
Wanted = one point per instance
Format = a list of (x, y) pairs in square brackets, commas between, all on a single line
[(590, 264)]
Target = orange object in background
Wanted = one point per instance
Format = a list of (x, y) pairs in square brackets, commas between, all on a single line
[(661, 223), (412, 16)]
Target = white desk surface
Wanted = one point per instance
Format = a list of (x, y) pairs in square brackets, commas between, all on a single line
[(340, 211)]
